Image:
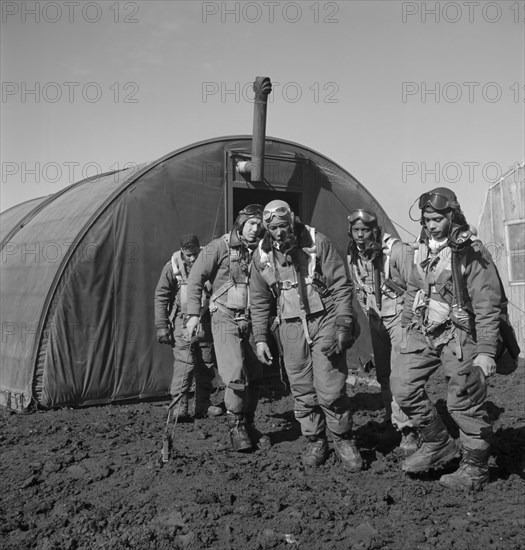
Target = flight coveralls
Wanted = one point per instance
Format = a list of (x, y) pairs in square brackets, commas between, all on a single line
[(437, 333), (193, 362), (384, 319), (225, 263), (311, 288)]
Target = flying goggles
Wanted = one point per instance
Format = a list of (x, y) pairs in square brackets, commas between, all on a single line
[(364, 215), (251, 210), (437, 201), (280, 212)]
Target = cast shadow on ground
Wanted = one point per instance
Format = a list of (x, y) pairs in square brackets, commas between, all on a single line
[(508, 450), (290, 430), (376, 437), (434, 475), (366, 401)]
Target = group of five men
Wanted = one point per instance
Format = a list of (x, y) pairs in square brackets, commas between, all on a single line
[(435, 302)]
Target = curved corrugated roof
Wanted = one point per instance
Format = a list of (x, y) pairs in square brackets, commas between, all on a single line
[(13, 218), (49, 270)]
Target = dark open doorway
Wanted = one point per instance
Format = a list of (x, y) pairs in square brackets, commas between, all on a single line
[(243, 197)]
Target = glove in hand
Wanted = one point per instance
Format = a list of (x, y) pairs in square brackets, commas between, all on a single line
[(344, 337), (165, 336), (475, 385), (331, 350), (345, 332)]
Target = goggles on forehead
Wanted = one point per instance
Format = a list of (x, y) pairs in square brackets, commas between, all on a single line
[(437, 202), (364, 215), (252, 210), (279, 212)]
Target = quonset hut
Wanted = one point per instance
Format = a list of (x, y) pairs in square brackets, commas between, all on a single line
[(79, 268), (501, 227)]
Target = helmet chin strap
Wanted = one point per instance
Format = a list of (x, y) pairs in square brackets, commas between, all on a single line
[(287, 245)]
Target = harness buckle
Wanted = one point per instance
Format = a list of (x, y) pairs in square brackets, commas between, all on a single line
[(238, 316), (287, 285)]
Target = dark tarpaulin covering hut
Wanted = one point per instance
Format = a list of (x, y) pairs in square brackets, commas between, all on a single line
[(79, 268)]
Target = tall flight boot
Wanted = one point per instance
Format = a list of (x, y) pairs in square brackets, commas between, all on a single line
[(316, 450), (409, 441), (438, 449), (238, 434), (347, 452), (473, 471)]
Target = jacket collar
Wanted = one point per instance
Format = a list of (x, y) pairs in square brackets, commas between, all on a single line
[(304, 240), (235, 240)]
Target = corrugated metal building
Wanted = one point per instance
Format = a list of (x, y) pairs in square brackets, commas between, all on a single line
[(79, 268), (502, 228)]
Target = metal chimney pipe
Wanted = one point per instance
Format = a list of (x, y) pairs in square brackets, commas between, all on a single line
[(255, 168)]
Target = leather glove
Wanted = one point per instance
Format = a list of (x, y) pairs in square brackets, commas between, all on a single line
[(475, 385), (331, 350), (346, 332), (165, 336), (344, 336)]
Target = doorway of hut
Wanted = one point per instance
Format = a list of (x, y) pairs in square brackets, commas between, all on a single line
[(244, 197)]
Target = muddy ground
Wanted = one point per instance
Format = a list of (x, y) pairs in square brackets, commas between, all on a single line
[(93, 478)]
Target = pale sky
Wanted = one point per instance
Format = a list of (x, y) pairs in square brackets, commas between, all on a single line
[(406, 96)]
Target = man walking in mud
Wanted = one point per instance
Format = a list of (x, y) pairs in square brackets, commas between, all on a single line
[(299, 271), (193, 361), (380, 266), (225, 263), (451, 318)]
